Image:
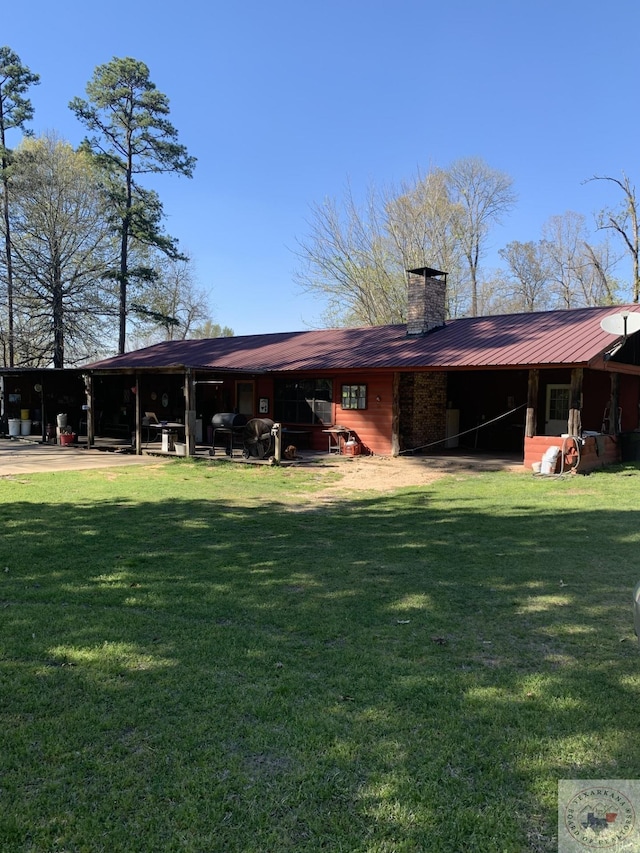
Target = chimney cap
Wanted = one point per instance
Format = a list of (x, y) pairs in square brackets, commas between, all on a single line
[(427, 271)]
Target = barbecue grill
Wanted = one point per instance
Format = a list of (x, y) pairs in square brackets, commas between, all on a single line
[(230, 426), (257, 438)]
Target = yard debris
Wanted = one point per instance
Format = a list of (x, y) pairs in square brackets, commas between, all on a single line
[(402, 621), (441, 641)]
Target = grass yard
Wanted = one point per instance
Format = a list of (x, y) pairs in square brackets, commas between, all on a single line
[(210, 660)]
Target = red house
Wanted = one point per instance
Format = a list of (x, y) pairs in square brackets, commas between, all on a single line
[(514, 382)]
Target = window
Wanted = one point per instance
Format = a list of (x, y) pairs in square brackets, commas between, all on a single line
[(557, 409), (244, 398), (558, 402), (303, 401), (354, 396)]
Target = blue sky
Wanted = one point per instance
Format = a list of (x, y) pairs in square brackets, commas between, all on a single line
[(284, 102)]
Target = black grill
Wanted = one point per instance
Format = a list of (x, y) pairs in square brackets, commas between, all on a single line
[(230, 426)]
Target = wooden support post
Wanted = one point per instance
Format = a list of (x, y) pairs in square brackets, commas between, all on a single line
[(614, 417), (277, 433), (575, 402), (531, 423), (138, 407), (91, 425), (395, 416), (190, 412)]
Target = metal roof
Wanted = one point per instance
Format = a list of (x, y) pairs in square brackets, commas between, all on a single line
[(508, 340)]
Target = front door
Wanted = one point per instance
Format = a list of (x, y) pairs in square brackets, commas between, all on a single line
[(556, 420)]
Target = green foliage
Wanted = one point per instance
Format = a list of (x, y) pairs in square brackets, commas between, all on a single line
[(199, 657), (126, 116), (130, 135), (213, 330), (15, 80)]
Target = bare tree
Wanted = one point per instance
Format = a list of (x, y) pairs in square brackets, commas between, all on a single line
[(483, 196), (348, 261), (595, 279), (529, 273), (579, 270), (420, 222), (174, 307), (624, 221), (356, 255), (62, 247)]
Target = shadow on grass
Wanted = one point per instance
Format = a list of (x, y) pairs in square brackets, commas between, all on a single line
[(275, 678)]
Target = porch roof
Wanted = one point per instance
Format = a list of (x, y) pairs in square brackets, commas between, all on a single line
[(540, 339)]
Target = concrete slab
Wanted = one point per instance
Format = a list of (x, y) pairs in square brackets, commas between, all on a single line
[(27, 457)]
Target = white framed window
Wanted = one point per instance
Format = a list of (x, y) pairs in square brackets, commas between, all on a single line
[(354, 397)]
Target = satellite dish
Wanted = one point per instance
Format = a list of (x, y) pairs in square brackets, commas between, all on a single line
[(622, 324)]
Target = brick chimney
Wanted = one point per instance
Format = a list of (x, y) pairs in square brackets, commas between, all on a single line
[(426, 308)]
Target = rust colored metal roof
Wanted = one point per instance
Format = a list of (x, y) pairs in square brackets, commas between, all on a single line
[(509, 340)]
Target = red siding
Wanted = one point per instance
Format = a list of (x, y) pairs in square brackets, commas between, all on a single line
[(373, 424)]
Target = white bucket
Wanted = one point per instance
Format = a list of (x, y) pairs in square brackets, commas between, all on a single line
[(181, 448), (14, 426), (25, 427), (62, 421)]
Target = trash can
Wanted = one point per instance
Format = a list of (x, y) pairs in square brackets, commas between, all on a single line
[(168, 440)]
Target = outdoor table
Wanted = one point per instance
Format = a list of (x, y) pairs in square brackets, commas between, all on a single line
[(335, 434)]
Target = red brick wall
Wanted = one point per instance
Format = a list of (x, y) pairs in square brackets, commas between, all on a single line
[(426, 303), (423, 409), (596, 452)]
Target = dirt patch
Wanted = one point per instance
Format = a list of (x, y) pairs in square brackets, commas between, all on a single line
[(386, 473)]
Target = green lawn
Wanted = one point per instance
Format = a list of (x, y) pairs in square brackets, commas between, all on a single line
[(198, 658)]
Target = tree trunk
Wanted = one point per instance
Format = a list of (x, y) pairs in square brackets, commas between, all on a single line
[(8, 258), (122, 311), (531, 423), (575, 402), (57, 310)]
